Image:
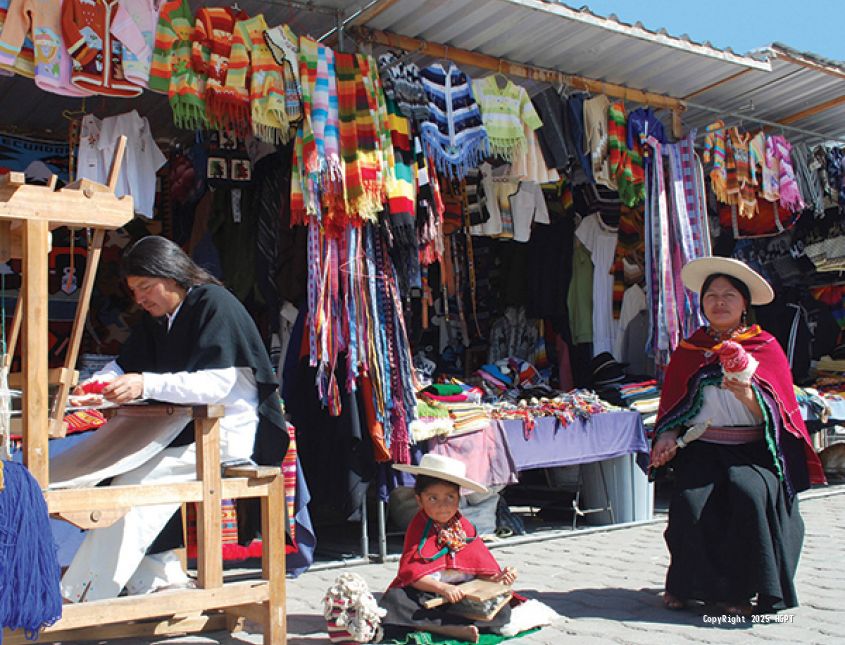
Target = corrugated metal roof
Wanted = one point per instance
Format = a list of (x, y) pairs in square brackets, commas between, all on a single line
[(777, 81)]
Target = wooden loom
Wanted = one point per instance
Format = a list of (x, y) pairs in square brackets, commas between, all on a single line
[(27, 215)]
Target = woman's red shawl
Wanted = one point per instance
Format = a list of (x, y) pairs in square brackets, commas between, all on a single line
[(773, 374)]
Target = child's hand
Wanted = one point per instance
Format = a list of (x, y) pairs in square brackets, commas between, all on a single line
[(452, 593), (506, 576)]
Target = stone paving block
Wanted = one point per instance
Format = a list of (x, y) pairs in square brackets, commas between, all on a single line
[(610, 583)]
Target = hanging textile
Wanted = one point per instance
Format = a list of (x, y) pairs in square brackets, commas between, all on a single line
[(454, 134)]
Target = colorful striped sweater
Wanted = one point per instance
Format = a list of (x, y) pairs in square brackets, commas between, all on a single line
[(505, 111), (255, 74), (171, 71), (211, 46)]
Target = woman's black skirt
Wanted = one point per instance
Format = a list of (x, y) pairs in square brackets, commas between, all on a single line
[(733, 532)]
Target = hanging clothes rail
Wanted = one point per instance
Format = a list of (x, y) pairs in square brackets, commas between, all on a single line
[(552, 76), (770, 124)]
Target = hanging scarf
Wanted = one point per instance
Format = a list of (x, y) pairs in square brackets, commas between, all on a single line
[(421, 555), (696, 360)]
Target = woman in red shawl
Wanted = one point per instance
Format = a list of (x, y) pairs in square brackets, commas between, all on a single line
[(442, 550), (734, 530)]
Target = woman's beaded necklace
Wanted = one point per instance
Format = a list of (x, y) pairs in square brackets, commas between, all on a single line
[(728, 334)]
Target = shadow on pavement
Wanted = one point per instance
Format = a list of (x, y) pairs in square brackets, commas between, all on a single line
[(620, 604), (306, 625)]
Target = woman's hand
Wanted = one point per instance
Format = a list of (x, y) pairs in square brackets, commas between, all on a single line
[(506, 576), (664, 448), (452, 593), (125, 388), (745, 394)]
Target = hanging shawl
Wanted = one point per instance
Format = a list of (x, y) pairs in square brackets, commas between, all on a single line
[(714, 142), (790, 195), (696, 360), (689, 226), (454, 134), (422, 556)]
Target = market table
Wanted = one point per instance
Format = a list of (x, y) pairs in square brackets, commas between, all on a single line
[(610, 446), (603, 436)]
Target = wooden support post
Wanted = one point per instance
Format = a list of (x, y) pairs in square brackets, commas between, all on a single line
[(116, 163), (12, 339), (34, 351), (273, 561), (677, 123), (209, 512), (5, 241), (57, 426)]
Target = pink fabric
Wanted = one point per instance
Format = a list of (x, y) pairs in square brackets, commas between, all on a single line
[(484, 452), (564, 366), (790, 195)]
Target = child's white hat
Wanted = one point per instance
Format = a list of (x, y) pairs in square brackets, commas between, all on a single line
[(442, 467)]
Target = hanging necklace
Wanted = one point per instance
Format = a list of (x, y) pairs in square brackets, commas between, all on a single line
[(720, 336)]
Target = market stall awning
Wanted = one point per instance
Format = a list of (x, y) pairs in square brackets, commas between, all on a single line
[(774, 84)]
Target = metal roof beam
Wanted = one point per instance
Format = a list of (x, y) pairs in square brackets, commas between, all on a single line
[(543, 74), (722, 81), (812, 111)]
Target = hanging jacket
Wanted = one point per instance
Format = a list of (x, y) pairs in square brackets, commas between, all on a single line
[(98, 55), (42, 19)]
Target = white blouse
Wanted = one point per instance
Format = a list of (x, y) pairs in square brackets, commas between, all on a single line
[(723, 409)]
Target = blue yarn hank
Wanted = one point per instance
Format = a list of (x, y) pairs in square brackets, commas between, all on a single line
[(30, 593)]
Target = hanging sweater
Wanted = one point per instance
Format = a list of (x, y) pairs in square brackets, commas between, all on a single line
[(211, 46), (253, 72), (24, 61), (171, 72), (454, 134), (135, 26), (86, 28), (43, 18), (505, 111)]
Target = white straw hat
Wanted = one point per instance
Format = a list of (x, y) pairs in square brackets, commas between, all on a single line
[(696, 272), (445, 468)]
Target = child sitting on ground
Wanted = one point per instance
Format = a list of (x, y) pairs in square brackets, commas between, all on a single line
[(441, 550)]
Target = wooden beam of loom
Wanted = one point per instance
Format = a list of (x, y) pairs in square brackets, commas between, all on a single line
[(553, 76)]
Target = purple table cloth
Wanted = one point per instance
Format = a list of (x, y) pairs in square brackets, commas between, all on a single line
[(603, 436)]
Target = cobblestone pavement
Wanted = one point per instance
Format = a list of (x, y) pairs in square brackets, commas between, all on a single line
[(607, 583)]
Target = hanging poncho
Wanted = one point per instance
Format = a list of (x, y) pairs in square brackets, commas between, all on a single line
[(454, 134), (504, 112)]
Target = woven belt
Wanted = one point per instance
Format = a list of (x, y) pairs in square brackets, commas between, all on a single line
[(733, 435)]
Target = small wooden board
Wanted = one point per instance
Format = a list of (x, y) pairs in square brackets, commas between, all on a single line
[(477, 590)]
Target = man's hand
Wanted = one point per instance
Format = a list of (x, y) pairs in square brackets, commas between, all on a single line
[(125, 388)]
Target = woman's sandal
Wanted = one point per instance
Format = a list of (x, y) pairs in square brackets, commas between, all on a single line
[(672, 602)]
